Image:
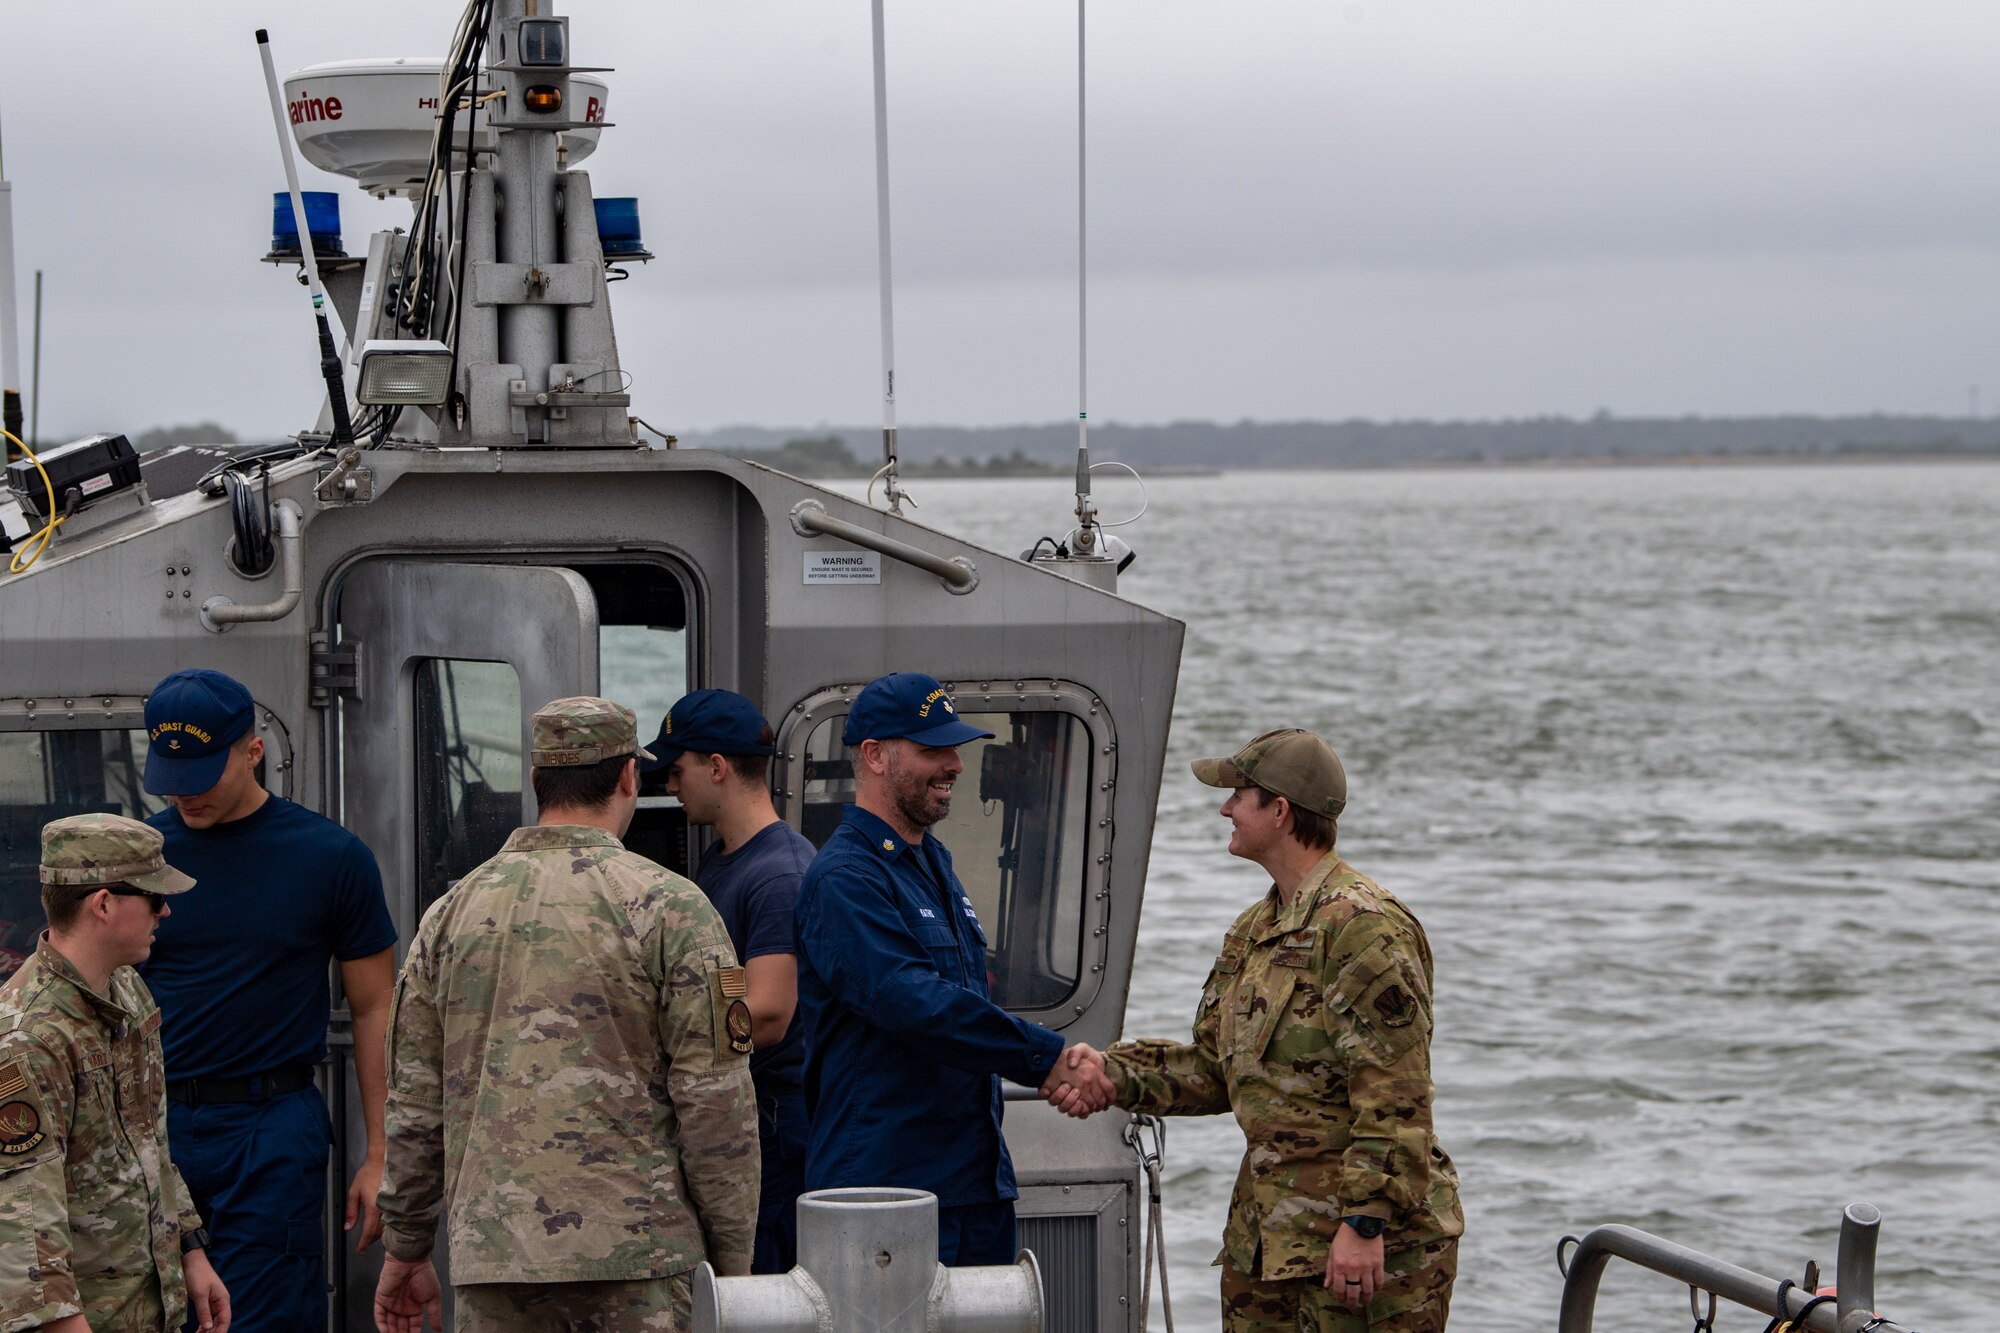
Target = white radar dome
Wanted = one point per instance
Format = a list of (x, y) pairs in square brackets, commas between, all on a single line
[(373, 120)]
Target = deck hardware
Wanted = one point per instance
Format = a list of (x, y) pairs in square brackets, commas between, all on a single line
[(1792, 1305), (867, 1259), (959, 575), (219, 614), (1703, 1323)]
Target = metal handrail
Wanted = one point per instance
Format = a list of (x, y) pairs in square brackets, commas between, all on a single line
[(1859, 1225), (810, 519)]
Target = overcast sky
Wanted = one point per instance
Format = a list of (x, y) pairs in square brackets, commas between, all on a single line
[(1300, 208)]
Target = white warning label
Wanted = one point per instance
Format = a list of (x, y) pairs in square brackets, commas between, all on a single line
[(843, 567)]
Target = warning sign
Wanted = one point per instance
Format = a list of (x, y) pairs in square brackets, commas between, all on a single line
[(843, 567)]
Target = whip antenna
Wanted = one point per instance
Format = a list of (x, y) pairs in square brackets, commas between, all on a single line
[(329, 359), (1086, 512), (893, 489), (10, 324)]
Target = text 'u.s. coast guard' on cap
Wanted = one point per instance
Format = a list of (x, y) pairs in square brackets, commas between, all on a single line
[(192, 718), (909, 706)]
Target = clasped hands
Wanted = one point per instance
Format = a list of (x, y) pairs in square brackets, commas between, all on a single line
[(1077, 1084)]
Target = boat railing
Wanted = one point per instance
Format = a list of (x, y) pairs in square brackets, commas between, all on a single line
[(1850, 1308)]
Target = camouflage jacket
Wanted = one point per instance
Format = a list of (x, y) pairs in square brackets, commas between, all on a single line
[(1314, 1028), (569, 1073), (91, 1209)]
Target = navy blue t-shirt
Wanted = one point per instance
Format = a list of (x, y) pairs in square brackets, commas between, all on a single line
[(239, 968), (753, 889)]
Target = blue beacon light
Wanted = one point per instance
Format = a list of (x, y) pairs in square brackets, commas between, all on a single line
[(618, 229), (322, 220)]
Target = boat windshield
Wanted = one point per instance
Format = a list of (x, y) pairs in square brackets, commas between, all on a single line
[(1017, 832)]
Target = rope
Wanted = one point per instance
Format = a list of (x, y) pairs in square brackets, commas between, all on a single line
[(1156, 1241)]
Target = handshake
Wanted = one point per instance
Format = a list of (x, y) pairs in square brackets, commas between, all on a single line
[(1077, 1084)]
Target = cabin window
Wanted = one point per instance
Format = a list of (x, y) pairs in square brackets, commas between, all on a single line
[(48, 775), (645, 654), (469, 770), (1020, 833)]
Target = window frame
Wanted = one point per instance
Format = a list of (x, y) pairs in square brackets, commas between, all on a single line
[(1012, 696), (127, 712)]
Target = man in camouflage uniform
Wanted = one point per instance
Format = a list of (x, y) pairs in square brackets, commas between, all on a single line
[(96, 1228), (569, 1071), (1314, 1027)]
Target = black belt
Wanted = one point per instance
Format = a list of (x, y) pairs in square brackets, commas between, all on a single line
[(229, 1091)]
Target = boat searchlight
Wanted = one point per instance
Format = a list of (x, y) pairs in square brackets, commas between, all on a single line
[(404, 372)]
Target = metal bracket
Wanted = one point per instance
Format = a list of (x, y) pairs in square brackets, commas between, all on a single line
[(334, 669), (338, 486)]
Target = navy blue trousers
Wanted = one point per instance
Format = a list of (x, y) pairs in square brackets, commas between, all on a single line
[(257, 1171), (781, 1133), (976, 1235)]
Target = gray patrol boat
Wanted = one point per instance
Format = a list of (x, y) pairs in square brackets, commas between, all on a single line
[(488, 528)]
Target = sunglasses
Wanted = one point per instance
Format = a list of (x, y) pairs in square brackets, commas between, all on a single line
[(157, 901)]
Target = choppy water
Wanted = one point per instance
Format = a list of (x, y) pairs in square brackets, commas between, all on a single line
[(1692, 776)]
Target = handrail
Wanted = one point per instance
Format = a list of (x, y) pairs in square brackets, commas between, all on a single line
[(810, 519), (1859, 1225), (219, 613)]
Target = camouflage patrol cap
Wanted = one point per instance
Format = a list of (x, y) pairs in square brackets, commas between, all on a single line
[(108, 849), (569, 733), (1290, 762)]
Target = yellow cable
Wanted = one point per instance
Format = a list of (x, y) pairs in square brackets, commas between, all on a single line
[(32, 548)]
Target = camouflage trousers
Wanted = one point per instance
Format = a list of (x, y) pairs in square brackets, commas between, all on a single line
[(1415, 1299), (662, 1305)]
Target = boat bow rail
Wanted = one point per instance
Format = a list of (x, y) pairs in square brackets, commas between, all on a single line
[(1849, 1309)]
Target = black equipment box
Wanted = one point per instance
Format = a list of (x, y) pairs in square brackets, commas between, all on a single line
[(96, 466)]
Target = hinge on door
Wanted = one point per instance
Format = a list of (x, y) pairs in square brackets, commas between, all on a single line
[(334, 669)]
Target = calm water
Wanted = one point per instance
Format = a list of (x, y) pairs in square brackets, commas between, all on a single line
[(1692, 776)]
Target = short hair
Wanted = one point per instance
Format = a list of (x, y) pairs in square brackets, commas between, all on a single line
[(579, 787), (753, 770), (1310, 827), (63, 903)]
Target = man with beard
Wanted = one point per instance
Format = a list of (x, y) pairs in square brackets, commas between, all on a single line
[(905, 1048)]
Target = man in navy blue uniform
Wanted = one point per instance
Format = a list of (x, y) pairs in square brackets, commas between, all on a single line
[(716, 750), (242, 983), (905, 1048)]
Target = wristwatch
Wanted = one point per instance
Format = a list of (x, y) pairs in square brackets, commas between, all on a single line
[(196, 1239), (1368, 1228)]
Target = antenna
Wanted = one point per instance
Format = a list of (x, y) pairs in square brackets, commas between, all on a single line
[(10, 320), (1086, 512), (893, 490), (329, 358)]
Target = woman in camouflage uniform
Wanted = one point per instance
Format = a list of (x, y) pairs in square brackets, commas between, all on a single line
[(1314, 1028)]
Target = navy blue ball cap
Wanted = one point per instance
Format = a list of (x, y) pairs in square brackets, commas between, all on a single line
[(907, 706), (192, 718), (707, 722)]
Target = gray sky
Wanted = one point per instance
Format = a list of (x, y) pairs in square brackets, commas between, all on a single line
[(1300, 208)]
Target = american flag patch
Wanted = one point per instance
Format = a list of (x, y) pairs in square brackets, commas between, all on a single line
[(12, 1079)]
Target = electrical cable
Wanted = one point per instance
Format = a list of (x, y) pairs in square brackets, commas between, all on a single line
[(250, 515), (37, 542)]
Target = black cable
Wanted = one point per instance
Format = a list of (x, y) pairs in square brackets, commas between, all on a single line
[(465, 196), (250, 513)]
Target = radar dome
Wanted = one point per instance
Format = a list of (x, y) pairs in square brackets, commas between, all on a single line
[(373, 120)]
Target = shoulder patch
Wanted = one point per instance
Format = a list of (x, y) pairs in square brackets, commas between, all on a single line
[(738, 1023), (735, 982), (13, 1079), (20, 1128)]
